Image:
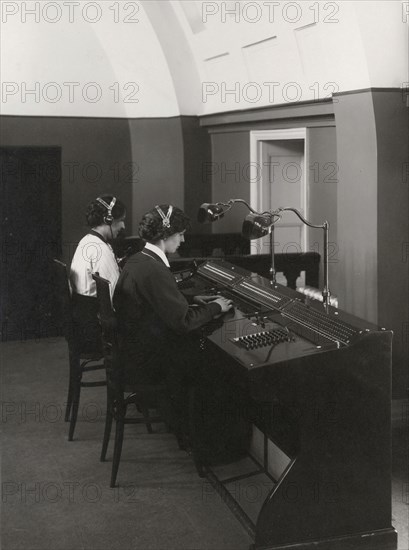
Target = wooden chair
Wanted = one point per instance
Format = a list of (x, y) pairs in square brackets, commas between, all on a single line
[(81, 358), (119, 394)]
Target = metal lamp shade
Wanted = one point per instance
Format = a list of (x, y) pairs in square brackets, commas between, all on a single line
[(256, 226), (209, 212)]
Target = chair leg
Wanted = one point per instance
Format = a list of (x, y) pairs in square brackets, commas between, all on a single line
[(107, 431), (69, 402), (76, 392), (119, 437), (75, 366)]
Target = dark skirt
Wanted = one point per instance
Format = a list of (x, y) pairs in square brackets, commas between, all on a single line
[(85, 323)]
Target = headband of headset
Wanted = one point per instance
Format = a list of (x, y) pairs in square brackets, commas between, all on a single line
[(108, 218), (165, 219)]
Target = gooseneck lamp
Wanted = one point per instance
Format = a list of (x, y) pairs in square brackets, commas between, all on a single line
[(260, 224)]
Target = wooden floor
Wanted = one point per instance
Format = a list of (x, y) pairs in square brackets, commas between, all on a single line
[(55, 493)]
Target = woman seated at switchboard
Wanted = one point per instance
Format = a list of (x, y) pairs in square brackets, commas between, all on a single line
[(105, 217), (154, 317)]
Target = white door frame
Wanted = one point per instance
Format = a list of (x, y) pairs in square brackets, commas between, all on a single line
[(256, 141)]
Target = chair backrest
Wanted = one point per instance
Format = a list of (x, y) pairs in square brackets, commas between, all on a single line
[(106, 313), (64, 292), (108, 322)]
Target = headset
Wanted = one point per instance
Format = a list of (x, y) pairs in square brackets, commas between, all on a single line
[(165, 219), (108, 218)]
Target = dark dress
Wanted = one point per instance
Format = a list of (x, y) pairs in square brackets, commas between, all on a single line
[(154, 322), (154, 319), (159, 343)]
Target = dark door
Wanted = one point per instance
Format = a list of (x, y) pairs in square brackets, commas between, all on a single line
[(30, 237)]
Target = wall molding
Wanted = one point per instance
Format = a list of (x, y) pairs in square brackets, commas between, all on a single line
[(319, 111), (300, 110)]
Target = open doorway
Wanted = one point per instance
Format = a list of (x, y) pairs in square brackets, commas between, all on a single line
[(281, 172), (278, 160)]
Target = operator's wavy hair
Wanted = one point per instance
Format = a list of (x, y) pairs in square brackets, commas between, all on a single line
[(96, 211), (151, 227)]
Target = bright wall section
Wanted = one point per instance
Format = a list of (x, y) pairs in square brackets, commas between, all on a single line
[(89, 59), (254, 54)]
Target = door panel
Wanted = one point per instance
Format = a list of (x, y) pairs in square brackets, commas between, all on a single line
[(31, 237), (283, 185)]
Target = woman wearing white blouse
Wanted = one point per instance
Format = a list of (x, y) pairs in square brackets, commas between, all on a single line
[(94, 254)]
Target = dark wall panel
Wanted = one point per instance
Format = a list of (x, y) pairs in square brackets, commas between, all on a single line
[(157, 154), (197, 167), (357, 280), (322, 194), (30, 215), (96, 158), (392, 132), (230, 176)]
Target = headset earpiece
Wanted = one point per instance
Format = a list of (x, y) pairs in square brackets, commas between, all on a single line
[(108, 218), (165, 219)]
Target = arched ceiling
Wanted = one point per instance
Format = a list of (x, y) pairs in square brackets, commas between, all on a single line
[(161, 58), (257, 53)]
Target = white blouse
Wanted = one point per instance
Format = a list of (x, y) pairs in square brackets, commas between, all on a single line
[(93, 255)]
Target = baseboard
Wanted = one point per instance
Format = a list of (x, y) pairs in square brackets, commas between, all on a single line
[(383, 539)]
